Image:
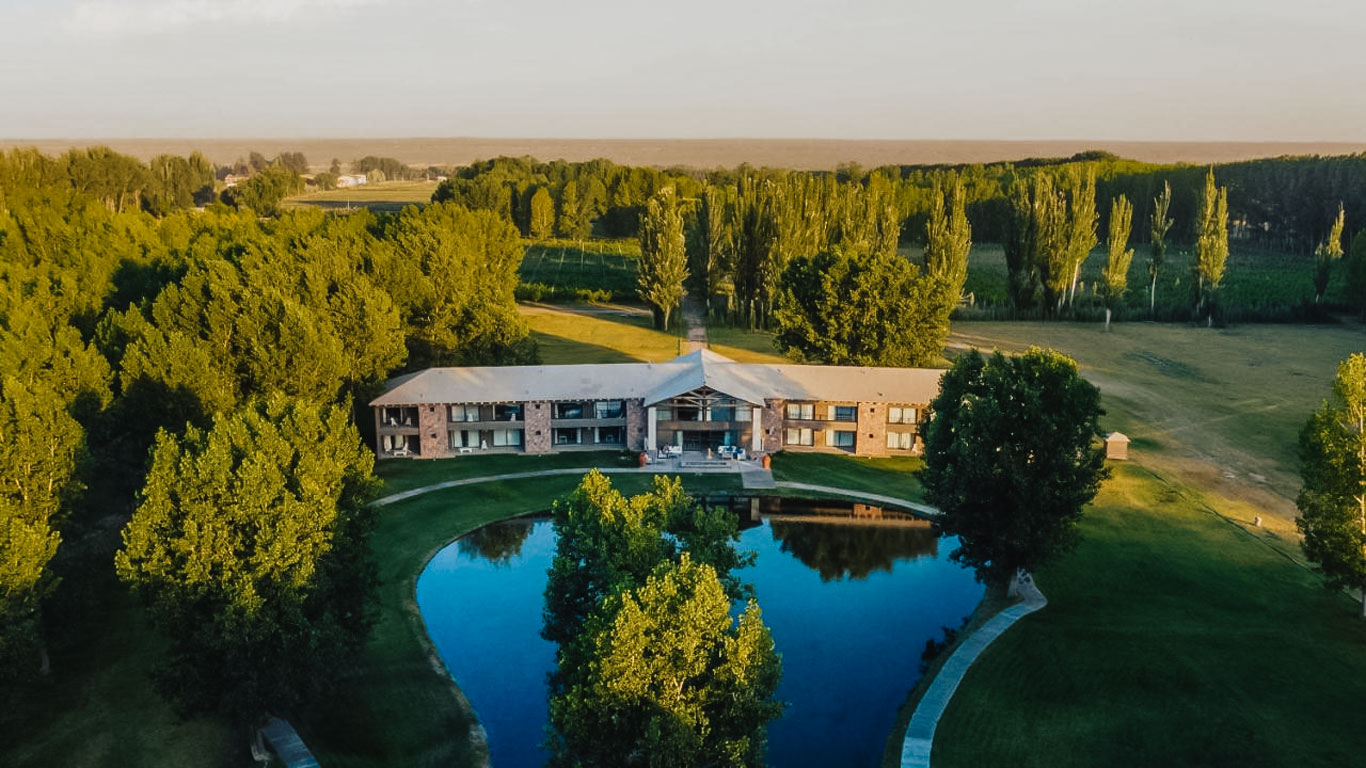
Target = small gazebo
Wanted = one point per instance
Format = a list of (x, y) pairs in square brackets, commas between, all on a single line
[(1117, 446)]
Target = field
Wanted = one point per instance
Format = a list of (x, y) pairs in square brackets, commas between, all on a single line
[(1255, 278), (696, 153), (391, 196), (567, 266), (606, 333), (1171, 638)]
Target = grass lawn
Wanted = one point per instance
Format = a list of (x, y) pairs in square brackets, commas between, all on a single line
[(1171, 638), (403, 475), (598, 334), (743, 345), (398, 706), (890, 476), (389, 196)]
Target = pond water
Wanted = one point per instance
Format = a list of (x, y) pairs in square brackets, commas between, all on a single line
[(850, 592)]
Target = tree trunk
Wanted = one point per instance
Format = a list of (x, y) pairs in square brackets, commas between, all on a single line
[(1363, 602), (1107, 319), (44, 662), (1152, 298)]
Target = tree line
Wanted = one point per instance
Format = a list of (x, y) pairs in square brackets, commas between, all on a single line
[(193, 375)]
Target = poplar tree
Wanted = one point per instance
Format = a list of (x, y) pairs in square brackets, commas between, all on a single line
[(948, 236), (250, 551), (1332, 501), (1158, 225), (571, 221), (1326, 254), (1115, 278), (1211, 244), (1081, 224), (542, 214), (663, 265)]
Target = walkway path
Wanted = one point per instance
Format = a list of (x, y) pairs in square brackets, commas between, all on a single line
[(915, 748), (695, 324)]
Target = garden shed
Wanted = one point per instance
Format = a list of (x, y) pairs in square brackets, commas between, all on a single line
[(1117, 446)]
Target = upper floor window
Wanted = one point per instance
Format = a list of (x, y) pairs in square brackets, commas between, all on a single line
[(801, 411), (608, 409), (896, 415), (568, 411), (844, 413)]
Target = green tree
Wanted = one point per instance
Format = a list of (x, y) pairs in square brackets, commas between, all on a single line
[(1211, 245), (572, 222), (1011, 457), (542, 214), (264, 191), (1158, 226), (1356, 273), (1332, 501), (250, 551), (948, 237), (1326, 254), (843, 308), (663, 264), (1081, 225), (1115, 278), (670, 678)]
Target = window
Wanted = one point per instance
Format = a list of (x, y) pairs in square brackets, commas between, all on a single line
[(846, 413), (507, 438), (563, 436), (801, 411), (611, 435), (664, 414), (684, 413), (722, 414), (843, 439), (903, 441), (892, 442), (796, 436), (743, 413), (900, 415), (893, 417), (507, 412), (608, 409), (568, 410), (464, 413)]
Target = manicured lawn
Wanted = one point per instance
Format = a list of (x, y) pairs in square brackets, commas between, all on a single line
[(893, 476), (744, 345), (402, 475), (577, 334), (397, 707), (1171, 638)]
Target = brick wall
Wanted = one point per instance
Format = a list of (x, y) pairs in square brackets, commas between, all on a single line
[(537, 421), (431, 422), (635, 425), (773, 426), (871, 439)]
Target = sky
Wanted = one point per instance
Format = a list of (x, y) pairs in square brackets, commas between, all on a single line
[(1159, 70)]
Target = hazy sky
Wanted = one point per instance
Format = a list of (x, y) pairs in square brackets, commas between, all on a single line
[(953, 69)]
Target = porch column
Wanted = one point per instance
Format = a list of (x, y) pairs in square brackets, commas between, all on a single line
[(651, 427), (756, 422)]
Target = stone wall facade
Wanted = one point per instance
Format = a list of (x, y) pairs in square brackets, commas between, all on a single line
[(536, 434), (635, 425), (773, 426), (432, 434), (871, 439)]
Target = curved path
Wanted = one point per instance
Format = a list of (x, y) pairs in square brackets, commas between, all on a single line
[(915, 748)]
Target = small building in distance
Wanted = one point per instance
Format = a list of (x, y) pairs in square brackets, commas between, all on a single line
[(1117, 446), (352, 180), (696, 402)]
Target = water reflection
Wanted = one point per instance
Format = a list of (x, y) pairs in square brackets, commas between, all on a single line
[(497, 543), (851, 594)]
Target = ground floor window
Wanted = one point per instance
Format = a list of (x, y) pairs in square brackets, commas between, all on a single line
[(612, 435), (565, 435), (902, 441), (801, 436), (842, 439), (507, 438)]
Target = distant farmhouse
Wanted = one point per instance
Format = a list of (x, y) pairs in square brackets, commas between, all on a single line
[(352, 180), (696, 402)]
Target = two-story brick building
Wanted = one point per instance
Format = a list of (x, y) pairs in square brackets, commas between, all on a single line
[(695, 402)]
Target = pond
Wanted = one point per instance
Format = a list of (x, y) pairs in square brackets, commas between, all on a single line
[(850, 592)]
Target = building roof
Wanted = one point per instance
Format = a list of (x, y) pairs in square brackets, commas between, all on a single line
[(656, 382)]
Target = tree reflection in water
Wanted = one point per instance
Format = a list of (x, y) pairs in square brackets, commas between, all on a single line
[(498, 542), (848, 550)]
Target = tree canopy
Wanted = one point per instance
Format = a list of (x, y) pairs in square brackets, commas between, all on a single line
[(1011, 457)]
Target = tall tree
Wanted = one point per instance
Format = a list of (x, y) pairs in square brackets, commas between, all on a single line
[(948, 236), (1011, 457), (663, 265), (1332, 501), (669, 678), (1158, 226), (1115, 278), (1356, 273), (250, 551), (572, 222), (1081, 224), (1326, 254), (542, 214), (1211, 244), (843, 308)]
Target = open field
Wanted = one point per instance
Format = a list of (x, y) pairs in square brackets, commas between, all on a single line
[(1171, 638), (598, 334), (389, 196), (571, 265), (1255, 278), (697, 153), (1219, 410)]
